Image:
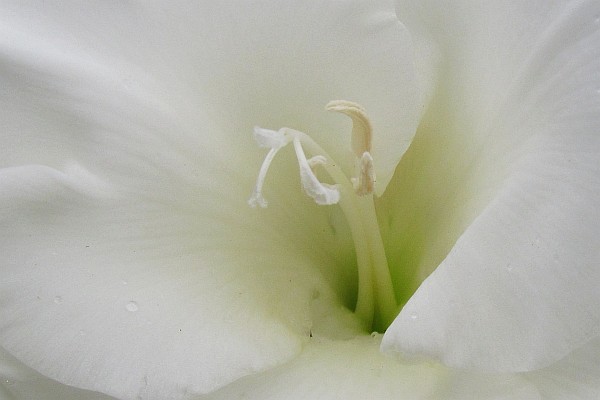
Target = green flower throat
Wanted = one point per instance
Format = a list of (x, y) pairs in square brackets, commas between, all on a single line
[(376, 304)]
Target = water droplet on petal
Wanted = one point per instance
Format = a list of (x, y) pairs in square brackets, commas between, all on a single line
[(509, 267), (132, 306), (413, 316), (58, 300)]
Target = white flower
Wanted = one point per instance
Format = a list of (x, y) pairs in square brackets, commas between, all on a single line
[(132, 266)]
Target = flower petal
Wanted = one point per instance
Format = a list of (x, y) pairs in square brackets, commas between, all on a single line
[(132, 264), (355, 369), (117, 296), (288, 60), (271, 64), (352, 369), (18, 382), (519, 289), (575, 377)]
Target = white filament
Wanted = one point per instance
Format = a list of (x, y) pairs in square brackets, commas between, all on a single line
[(257, 197)]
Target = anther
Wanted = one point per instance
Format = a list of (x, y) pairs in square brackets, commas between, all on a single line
[(322, 193), (364, 183)]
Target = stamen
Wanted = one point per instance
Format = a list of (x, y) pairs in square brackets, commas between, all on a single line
[(362, 132), (322, 193), (376, 304)]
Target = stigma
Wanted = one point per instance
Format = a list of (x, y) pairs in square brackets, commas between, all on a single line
[(321, 193)]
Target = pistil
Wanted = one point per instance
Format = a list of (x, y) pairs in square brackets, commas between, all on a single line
[(376, 303)]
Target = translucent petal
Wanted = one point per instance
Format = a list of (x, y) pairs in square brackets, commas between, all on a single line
[(516, 230)]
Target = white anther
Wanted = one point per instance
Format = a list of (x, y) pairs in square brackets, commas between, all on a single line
[(364, 183), (257, 197), (322, 193)]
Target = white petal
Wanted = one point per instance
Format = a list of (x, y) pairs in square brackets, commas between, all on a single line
[(519, 289), (130, 297), (290, 59), (269, 64), (18, 382), (352, 369), (576, 377), (355, 369), (132, 265)]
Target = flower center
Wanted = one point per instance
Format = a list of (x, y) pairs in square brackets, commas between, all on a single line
[(376, 304)]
